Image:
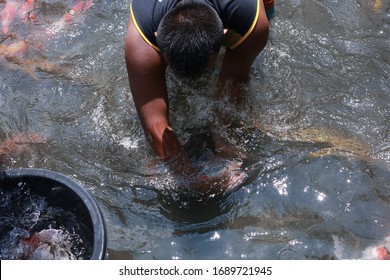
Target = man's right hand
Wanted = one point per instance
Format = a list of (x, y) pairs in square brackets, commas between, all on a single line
[(204, 165)]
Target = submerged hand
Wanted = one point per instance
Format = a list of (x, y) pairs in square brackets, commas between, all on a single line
[(227, 181), (207, 163)]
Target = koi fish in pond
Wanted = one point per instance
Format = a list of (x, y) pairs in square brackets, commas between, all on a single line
[(17, 48), (48, 244), (18, 143), (15, 10), (376, 251), (43, 65), (14, 54), (8, 15), (75, 15), (383, 253)]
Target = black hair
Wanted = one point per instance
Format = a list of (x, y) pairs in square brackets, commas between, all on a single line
[(188, 36)]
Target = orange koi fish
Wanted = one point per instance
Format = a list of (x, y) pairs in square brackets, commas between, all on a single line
[(26, 8), (383, 253), (70, 17), (48, 244), (15, 9), (14, 49), (8, 15), (17, 144), (80, 7)]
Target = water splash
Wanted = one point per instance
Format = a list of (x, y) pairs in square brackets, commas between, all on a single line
[(32, 229)]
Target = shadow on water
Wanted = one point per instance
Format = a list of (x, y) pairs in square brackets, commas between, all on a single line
[(311, 141)]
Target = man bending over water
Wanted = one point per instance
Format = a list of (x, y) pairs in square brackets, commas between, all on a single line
[(186, 35)]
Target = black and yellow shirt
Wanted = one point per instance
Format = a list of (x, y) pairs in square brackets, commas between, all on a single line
[(238, 16)]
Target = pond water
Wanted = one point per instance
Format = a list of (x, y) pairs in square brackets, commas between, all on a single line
[(313, 132)]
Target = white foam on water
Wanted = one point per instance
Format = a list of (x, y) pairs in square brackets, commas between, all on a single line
[(32, 229)]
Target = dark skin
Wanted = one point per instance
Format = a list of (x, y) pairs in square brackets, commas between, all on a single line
[(146, 70)]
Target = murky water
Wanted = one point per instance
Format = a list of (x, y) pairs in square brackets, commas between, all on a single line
[(313, 134)]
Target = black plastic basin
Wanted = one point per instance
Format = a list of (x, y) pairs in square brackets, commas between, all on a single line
[(58, 192)]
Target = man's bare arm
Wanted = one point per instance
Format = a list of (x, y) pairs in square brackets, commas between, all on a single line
[(237, 62), (146, 70)]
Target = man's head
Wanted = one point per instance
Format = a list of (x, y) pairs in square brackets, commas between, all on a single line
[(188, 36)]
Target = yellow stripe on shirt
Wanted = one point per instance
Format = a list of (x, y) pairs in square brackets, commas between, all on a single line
[(242, 39), (140, 31), (232, 38)]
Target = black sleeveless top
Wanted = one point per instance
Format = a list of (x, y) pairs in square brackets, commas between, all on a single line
[(238, 16)]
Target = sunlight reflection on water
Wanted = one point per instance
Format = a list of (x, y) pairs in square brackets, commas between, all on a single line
[(314, 130)]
